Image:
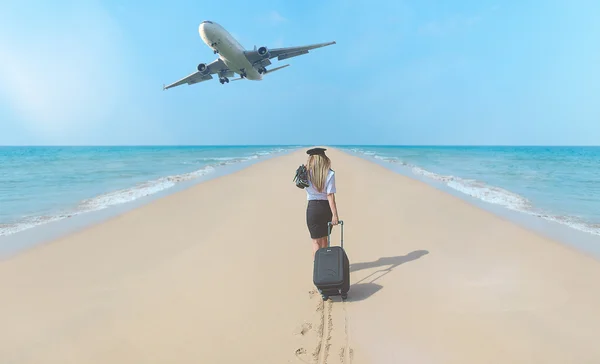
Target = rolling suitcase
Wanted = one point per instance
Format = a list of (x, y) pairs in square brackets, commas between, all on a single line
[(331, 274)]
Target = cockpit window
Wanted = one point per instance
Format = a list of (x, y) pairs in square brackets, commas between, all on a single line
[(207, 21)]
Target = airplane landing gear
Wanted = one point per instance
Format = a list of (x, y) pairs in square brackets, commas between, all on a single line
[(262, 70), (223, 80), (243, 73)]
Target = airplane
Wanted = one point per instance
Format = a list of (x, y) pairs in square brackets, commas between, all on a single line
[(234, 58)]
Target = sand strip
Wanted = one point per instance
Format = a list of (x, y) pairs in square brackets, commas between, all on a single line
[(222, 273)]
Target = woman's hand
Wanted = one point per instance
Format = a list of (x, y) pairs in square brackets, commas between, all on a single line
[(334, 220)]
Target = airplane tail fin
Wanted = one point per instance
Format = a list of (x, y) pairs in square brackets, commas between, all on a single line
[(277, 68)]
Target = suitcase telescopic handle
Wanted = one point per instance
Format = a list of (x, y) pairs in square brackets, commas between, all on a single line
[(329, 226)]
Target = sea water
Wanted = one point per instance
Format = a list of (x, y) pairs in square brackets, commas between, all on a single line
[(44, 184), (559, 184)]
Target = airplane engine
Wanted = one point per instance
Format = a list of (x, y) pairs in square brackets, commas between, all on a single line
[(263, 51), (202, 67)]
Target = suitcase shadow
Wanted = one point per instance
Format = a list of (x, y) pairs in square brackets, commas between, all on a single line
[(360, 291)]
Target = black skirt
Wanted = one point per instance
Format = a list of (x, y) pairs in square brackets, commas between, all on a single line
[(318, 214)]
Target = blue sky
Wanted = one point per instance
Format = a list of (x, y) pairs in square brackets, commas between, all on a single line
[(402, 72)]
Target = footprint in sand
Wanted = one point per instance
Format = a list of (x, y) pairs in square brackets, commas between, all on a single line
[(301, 354), (303, 329)]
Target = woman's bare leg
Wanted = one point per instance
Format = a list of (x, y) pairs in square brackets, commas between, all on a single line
[(323, 242), (316, 246), (319, 243)]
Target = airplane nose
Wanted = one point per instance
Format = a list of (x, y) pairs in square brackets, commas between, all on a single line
[(204, 27), (206, 30)]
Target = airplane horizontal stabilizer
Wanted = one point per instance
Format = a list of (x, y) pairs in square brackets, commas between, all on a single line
[(278, 68)]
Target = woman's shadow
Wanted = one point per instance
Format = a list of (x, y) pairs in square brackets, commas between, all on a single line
[(360, 291)]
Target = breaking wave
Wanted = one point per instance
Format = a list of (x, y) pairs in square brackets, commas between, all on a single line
[(488, 193), (130, 194)]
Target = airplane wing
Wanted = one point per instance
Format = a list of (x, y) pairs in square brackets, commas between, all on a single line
[(258, 55), (216, 66)]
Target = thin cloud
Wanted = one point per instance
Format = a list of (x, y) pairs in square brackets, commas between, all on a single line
[(456, 23), (66, 79), (278, 42), (71, 82), (275, 18), (449, 25)]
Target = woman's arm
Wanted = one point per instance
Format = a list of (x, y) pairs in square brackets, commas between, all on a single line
[(333, 206), (331, 190)]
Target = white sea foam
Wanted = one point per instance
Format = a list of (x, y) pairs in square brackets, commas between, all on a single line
[(29, 222), (491, 194), (390, 159), (480, 190), (139, 191), (129, 194)]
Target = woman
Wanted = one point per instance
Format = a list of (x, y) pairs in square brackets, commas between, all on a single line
[(320, 193)]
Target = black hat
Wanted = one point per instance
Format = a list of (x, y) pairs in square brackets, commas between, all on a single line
[(316, 151)]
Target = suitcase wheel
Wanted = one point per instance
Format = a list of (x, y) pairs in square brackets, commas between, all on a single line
[(344, 296), (325, 297)]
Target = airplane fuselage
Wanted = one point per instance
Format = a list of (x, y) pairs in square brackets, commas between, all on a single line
[(234, 59), (230, 51)]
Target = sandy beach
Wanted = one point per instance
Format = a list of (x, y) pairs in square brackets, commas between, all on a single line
[(222, 273)]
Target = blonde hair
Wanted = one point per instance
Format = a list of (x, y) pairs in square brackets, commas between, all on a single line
[(318, 167)]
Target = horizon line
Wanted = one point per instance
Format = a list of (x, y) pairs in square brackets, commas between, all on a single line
[(291, 145)]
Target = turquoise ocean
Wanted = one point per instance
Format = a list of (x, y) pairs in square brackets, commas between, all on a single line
[(44, 184), (559, 184)]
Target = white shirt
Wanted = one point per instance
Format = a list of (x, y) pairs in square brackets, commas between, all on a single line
[(313, 194)]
